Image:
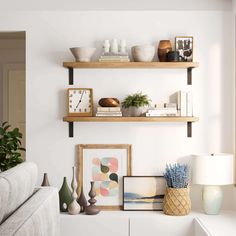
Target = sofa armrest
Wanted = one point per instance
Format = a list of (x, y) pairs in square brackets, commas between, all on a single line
[(38, 216)]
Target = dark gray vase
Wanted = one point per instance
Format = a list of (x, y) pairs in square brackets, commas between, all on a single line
[(65, 196), (92, 209), (82, 201)]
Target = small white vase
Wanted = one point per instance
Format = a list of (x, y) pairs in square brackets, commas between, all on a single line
[(114, 46)]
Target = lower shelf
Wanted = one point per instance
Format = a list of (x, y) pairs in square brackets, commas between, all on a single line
[(188, 120)]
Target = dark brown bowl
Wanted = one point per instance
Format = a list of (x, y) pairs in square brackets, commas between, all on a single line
[(109, 102)]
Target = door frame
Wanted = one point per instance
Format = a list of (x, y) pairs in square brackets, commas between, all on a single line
[(6, 69)]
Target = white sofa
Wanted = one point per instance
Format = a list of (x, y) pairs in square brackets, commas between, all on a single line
[(24, 209)]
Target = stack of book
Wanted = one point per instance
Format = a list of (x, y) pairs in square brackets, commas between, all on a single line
[(109, 111), (184, 102), (114, 57), (168, 110)]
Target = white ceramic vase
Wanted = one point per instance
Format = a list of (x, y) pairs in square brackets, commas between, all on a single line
[(135, 111)]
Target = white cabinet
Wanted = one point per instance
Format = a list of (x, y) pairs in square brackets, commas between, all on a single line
[(102, 224), (161, 225)]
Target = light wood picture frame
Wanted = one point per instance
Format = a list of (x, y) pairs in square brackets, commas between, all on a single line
[(184, 45), (105, 164)]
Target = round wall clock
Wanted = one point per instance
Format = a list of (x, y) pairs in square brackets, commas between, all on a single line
[(80, 102)]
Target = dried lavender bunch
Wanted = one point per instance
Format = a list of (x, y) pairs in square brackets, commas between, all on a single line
[(177, 175)]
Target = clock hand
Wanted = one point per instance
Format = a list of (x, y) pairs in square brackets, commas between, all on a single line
[(80, 99)]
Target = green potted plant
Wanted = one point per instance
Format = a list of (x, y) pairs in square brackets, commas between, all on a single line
[(136, 104), (177, 200), (10, 147)]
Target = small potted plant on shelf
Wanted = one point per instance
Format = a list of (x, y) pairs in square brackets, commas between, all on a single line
[(10, 147), (136, 104), (177, 200)]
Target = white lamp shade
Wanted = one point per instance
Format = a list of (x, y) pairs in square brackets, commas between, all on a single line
[(213, 169)]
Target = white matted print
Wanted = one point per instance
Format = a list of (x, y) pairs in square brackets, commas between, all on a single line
[(105, 165), (184, 44), (143, 193)]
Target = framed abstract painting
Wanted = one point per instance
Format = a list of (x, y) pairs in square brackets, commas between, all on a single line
[(143, 193), (105, 164)]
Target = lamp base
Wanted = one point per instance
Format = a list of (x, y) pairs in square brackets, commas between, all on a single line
[(212, 197)]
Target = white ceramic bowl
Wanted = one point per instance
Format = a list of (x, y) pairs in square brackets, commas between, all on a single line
[(83, 54), (143, 53)]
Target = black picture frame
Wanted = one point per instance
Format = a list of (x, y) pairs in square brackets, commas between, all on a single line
[(145, 195)]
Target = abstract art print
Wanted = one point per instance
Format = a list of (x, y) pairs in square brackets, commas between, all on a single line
[(184, 44), (105, 164), (143, 193)]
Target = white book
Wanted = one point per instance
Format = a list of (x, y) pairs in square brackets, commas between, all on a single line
[(159, 115), (102, 109), (114, 60), (102, 115), (108, 112), (162, 110), (180, 98), (189, 104)]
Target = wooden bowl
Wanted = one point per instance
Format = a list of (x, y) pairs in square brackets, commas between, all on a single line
[(109, 102)]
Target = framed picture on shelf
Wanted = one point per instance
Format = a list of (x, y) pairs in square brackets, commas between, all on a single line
[(105, 164), (184, 45), (143, 193)]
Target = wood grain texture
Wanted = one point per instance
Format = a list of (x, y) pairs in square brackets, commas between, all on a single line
[(137, 65), (130, 119)]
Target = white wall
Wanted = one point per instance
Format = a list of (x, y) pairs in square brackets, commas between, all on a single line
[(50, 34), (12, 51), (117, 5)]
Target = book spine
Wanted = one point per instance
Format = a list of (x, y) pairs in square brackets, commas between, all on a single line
[(107, 115), (159, 115), (104, 109)]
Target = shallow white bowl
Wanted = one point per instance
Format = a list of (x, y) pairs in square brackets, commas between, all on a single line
[(143, 53), (83, 54)]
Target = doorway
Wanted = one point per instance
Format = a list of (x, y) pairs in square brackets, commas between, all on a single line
[(13, 80)]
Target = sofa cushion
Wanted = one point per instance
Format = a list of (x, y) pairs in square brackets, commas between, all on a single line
[(38, 216), (16, 185)]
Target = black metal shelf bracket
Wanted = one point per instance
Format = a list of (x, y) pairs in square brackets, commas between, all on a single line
[(71, 75), (189, 76), (71, 129), (189, 129)]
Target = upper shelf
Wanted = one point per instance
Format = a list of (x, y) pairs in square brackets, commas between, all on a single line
[(130, 65)]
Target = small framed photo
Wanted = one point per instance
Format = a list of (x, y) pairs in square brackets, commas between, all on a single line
[(143, 193), (184, 44), (105, 164)]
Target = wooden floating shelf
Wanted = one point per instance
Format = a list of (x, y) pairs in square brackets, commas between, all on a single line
[(130, 119), (130, 65)]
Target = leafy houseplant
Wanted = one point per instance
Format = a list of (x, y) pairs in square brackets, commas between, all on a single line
[(10, 147), (136, 103), (177, 200)]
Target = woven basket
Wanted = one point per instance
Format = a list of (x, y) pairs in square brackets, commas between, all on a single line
[(177, 202)]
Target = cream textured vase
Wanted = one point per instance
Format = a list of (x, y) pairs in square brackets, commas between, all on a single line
[(212, 197), (177, 202), (74, 207)]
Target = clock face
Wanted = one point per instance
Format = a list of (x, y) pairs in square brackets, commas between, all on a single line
[(80, 102)]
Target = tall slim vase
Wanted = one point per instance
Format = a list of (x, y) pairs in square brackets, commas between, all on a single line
[(82, 200), (74, 207), (65, 196)]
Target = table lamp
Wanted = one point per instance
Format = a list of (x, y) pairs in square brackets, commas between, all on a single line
[(212, 171)]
